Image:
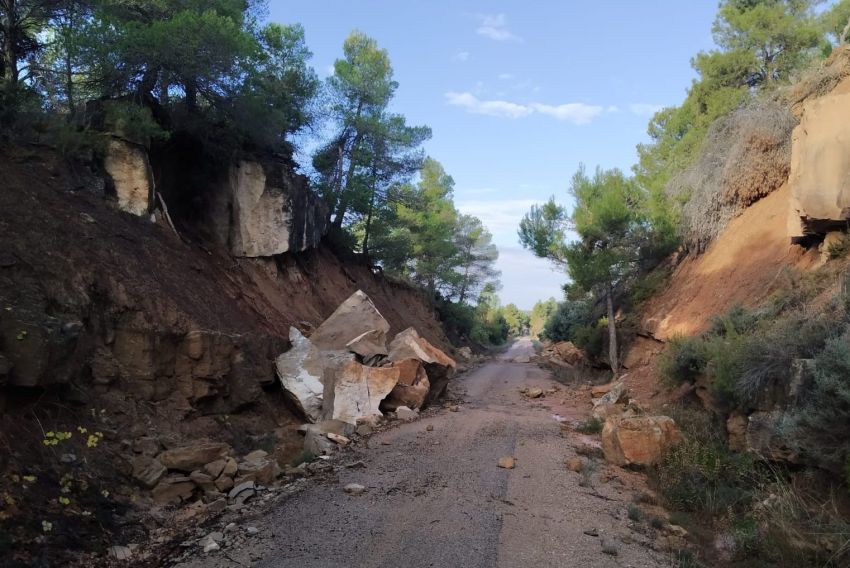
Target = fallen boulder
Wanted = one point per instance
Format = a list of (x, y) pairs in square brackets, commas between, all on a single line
[(370, 345), (641, 440), (190, 458), (567, 352), (616, 393), (412, 387), (173, 489), (301, 373), (439, 367), (353, 318), (147, 471), (354, 391)]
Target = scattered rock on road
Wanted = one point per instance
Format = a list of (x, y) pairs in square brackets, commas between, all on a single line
[(575, 464), (507, 462), (354, 489)]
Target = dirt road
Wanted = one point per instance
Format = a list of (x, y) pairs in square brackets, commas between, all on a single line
[(437, 498)]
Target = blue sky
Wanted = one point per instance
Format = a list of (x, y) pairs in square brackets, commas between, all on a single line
[(518, 94)]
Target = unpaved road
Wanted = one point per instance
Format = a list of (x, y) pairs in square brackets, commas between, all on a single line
[(437, 498)]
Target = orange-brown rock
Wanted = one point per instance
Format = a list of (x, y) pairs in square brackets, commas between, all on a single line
[(639, 440), (440, 367), (568, 352), (412, 387)]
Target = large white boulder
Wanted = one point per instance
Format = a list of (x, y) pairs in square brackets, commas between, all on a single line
[(354, 317), (354, 391), (132, 178), (301, 372)]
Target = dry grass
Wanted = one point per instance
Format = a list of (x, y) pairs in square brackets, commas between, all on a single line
[(820, 80), (745, 156)]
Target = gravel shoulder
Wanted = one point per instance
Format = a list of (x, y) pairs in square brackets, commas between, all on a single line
[(437, 497)]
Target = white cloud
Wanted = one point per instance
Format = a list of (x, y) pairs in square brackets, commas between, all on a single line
[(501, 217), (495, 27), (613, 109), (527, 279), (461, 56), (577, 113), (644, 109), (473, 104), (505, 76)]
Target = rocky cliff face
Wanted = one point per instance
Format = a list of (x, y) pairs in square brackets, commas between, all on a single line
[(820, 166), (265, 209)]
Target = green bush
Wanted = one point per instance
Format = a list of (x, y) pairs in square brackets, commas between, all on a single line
[(590, 426), (683, 360), (591, 338), (647, 286), (823, 422), (567, 318), (701, 474)]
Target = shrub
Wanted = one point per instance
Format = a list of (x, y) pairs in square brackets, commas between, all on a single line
[(591, 338), (735, 321), (590, 426), (745, 156), (701, 474), (823, 421), (683, 360), (567, 318), (647, 286)]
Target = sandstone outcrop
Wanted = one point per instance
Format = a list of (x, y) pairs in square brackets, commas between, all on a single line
[(132, 179), (264, 209), (820, 168), (639, 440)]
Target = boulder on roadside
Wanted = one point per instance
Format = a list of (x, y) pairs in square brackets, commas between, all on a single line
[(568, 353), (616, 393), (439, 367), (354, 317), (465, 353), (641, 440), (406, 414), (195, 456), (258, 467), (147, 471), (353, 390), (173, 489), (301, 372), (412, 387), (370, 345)]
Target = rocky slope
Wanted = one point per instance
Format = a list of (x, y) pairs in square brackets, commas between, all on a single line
[(113, 322)]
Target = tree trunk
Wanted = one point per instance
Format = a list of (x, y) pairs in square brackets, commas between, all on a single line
[(10, 56), (343, 199), (844, 34), (612, 332), (369, 220)]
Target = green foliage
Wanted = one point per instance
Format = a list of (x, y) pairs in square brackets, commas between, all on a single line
[(516, 319), (701, 474), (647, 285), (540, 313), (563, 323), (684, 359), (591, 426), (133, 122), (823, 422), (835, 21)]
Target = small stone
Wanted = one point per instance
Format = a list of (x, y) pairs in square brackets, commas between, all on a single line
[(215, 468), (507, 462), (217, 506), (592, 532), (430, 427), (210, 546), (454, 408), (230, 527), (224, 483), (252, 530), (216, 536), (609, 548), (230, 467), (406, 414), (534, 392), (354, 489), (575, 464), (67, 458), (385, 442), (242, 492), (339, 439), (120, 552), (363, 429)]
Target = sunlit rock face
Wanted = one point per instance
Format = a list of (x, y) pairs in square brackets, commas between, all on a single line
[(132, 180), (820, 167), (266, 209)]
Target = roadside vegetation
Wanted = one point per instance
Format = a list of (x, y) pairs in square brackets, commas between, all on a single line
[(782, 497)]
